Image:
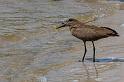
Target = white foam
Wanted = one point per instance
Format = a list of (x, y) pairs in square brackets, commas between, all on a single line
[(42, 79), (75, 81)]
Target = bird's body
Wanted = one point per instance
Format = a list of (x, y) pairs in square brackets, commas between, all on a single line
[(92, 33), (88, 32)]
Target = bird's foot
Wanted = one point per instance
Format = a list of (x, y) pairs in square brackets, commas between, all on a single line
[(80, 61), (94, 60)]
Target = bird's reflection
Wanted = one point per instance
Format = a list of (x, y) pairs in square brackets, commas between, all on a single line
[(87, 70)]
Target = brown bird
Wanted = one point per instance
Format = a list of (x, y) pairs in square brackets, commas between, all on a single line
[(87, 32)]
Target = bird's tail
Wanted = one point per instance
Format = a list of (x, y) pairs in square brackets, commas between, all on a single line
[(114, 33), (117, 35)]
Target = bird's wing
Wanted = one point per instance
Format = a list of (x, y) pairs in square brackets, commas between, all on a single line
[(94, 32), (89, 33), (105, 31)]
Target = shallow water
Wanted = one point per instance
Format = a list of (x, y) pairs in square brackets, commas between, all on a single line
[(32, 50)]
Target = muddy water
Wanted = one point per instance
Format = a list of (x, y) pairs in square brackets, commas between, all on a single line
[(32, 50)]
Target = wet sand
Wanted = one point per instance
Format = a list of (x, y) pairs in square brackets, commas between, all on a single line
[(32, 50)]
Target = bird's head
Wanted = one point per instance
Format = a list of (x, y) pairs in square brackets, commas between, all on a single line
[(68, 23)]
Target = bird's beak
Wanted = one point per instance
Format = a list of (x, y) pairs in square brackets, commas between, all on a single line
[(63, 25)]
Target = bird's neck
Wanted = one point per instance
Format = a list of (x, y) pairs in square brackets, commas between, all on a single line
[(74, 27)]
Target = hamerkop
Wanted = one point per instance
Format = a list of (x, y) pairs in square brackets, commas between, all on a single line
[(86, 32)]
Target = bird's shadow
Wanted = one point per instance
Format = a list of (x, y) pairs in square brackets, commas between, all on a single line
[(109, 59)]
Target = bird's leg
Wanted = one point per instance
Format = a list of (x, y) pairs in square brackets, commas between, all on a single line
[(93, 51), (84, 51)]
